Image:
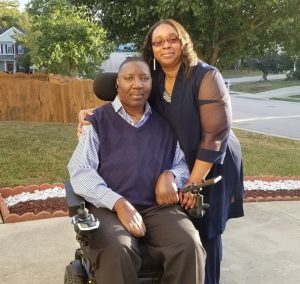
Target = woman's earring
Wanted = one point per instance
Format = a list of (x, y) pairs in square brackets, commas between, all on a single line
[(154, 64)]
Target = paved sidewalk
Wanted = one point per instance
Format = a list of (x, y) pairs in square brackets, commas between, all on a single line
[(261, 248)]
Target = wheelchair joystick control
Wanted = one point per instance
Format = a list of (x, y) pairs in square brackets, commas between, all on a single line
[(84, 222), (83, 212)]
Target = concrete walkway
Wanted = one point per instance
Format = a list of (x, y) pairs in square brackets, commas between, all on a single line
[(261, 248)]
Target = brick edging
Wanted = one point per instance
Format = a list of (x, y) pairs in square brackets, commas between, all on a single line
[(11, 191)]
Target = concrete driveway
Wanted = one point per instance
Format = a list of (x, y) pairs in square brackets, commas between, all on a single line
[(261, 248)]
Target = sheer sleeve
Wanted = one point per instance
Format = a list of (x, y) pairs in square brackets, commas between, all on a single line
[(215, 117)]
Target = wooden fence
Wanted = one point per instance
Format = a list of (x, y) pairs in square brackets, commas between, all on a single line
[(44, 98)]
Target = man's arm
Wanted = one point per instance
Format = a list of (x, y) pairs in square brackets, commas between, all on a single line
[(88, 183), (83, 173), (168, 181)]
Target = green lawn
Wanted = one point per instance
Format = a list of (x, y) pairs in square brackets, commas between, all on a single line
[(292, 98), (36, 153), (268, 155), (227, 74), (257, 87)]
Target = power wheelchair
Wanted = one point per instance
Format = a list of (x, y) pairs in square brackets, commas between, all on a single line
[(80, 270)]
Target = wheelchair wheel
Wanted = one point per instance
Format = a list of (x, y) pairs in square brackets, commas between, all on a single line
[(72, 278)]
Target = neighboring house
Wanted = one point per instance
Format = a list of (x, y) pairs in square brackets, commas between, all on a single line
[(10, 51)]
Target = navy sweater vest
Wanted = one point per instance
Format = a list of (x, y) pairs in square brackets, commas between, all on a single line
[(131, 159)]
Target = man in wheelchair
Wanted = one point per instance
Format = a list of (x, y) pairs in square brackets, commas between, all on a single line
[(128, 166)]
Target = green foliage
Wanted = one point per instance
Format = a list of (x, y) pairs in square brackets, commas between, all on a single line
[(11, 16), (62, 40), (270, 63), (222, 30)]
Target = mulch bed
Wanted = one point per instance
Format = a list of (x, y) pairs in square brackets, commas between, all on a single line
[(35, 206), (59, 203), (271, 193)]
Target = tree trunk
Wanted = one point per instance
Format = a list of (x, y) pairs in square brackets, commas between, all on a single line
[(215, 55)]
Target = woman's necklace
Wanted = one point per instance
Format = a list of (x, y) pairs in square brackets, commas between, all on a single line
[(166, 96)]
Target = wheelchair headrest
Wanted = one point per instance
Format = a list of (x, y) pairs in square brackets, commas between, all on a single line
[(105, 86)]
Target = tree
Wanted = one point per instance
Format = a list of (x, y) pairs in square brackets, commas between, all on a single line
[(221, 30), (10, 15), (62, 40), (270, 62)]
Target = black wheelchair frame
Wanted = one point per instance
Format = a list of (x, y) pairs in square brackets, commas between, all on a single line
[(80, 270)]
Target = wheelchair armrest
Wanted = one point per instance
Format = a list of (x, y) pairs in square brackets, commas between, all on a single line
[(73, 200)]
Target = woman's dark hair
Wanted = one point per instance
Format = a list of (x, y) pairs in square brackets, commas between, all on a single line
[(189, 56)]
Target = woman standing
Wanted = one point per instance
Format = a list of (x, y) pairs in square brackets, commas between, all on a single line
[(193, 97)]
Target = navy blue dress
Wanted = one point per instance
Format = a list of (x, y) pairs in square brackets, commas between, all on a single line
[(201, 122)]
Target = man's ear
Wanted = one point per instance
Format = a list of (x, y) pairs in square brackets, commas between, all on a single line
[(117, 84)]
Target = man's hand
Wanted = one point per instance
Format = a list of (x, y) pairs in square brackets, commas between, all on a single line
[(187, 199), (130, 217), (81, 116), (166, 189)]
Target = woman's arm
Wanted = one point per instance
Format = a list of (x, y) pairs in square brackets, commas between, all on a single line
[(215, 117)]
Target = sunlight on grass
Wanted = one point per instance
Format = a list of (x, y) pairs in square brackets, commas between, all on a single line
[(257, 87), (293, 98), (267, 155), (238, 73), (36, 153)]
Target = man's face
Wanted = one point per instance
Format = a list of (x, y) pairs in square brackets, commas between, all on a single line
[(134, 84)]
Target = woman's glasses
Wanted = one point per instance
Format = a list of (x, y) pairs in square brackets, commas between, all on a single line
[(161, 42)]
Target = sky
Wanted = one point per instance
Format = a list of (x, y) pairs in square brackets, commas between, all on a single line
[(22, 3)]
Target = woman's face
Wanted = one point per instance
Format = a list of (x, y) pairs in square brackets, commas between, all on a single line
[(166, 46)]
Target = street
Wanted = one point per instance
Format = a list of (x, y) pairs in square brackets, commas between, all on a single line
[(259, 113)]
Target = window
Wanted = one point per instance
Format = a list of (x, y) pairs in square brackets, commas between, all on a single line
[(20, 49), (10, 48)]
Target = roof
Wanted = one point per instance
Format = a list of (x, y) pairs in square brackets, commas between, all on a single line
[(2, 30)]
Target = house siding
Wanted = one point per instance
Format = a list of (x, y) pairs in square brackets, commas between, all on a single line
[(8, 50)]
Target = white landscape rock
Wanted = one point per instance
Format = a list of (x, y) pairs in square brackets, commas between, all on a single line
[(272, 185), (60, 192), (36, 195)]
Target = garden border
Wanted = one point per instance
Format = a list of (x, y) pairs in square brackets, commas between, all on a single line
[(11, 191)]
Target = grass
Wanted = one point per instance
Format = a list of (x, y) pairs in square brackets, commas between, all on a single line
[(269, 155), (36, 153), (262, 86), (240, 73), (292, 98)]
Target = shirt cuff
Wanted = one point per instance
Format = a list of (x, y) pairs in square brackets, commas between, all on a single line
[(211, 156), (180, 180), (109, 200)]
